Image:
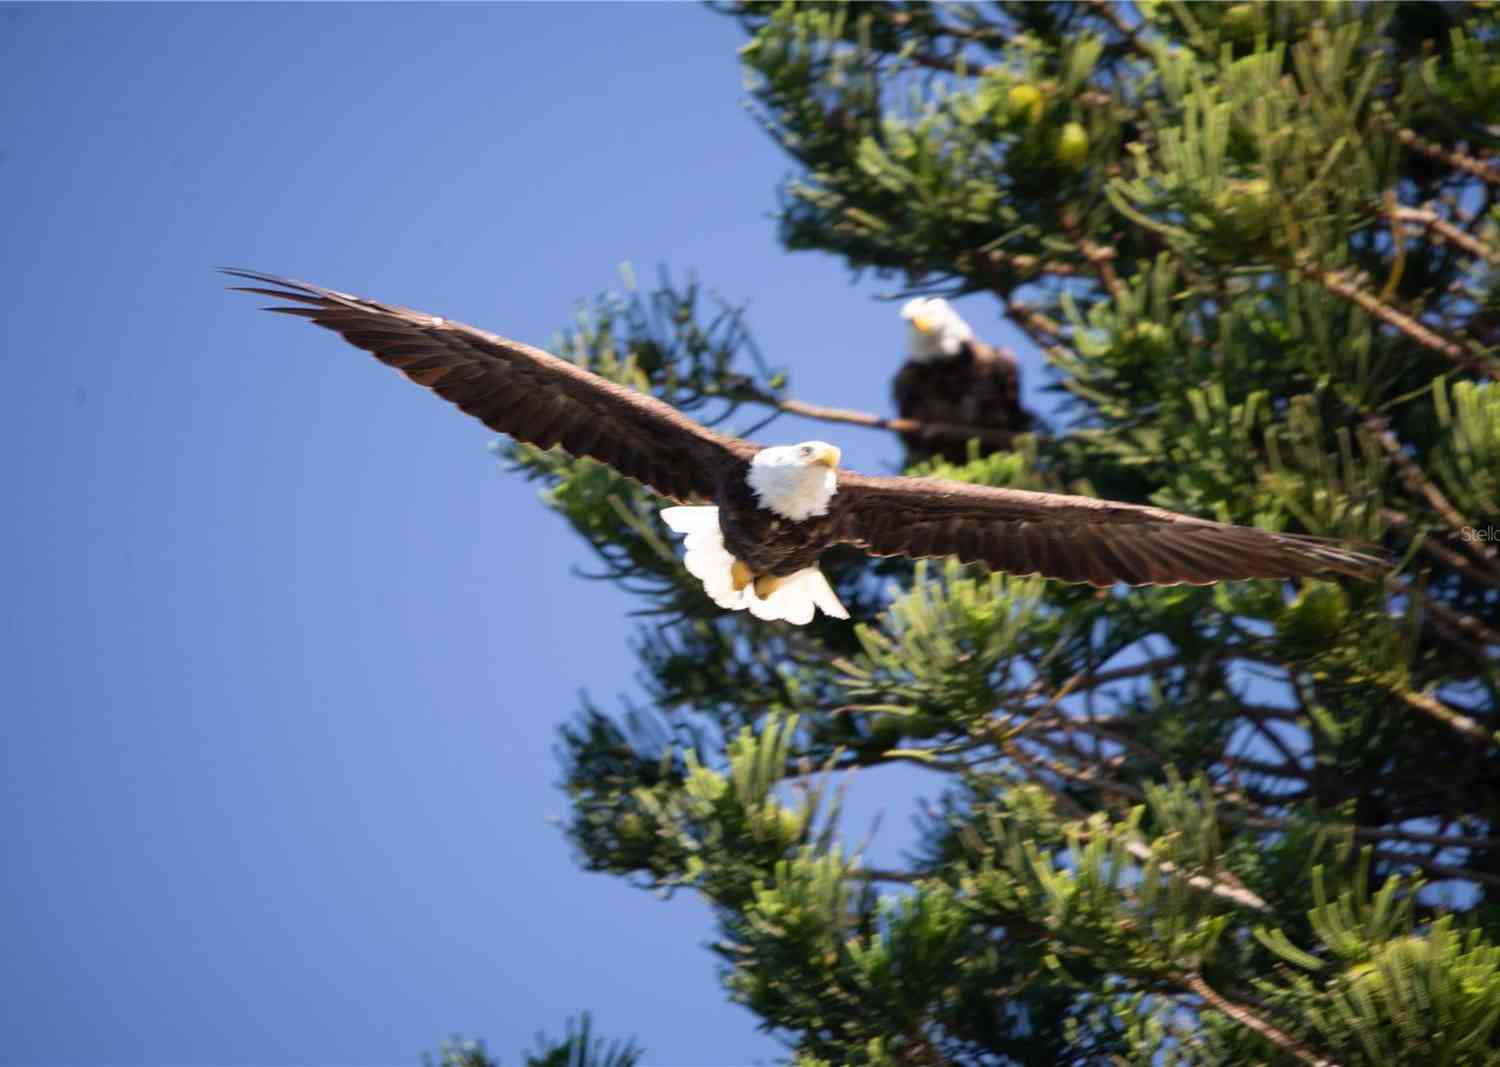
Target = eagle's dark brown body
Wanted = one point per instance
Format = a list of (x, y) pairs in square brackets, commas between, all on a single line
[(764, 541), (981, 386)]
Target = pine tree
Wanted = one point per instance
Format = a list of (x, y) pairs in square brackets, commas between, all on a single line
[(1255, 245), (578, 1048)]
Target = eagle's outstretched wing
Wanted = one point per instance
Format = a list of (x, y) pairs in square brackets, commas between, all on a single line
[(1074, 538), (522, 391)]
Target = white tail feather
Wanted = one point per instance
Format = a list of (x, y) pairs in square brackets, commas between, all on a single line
[(691, 520), (823, 595), (706, 558)]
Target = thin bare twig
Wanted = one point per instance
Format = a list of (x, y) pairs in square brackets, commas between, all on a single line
[(1259, 716), (948, 66), (897, 425), (1398, 245), (1110, 12), (1082, 682), (1275, 770)]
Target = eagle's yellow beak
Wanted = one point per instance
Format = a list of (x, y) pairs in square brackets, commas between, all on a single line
[(922, 323), (827, 456)]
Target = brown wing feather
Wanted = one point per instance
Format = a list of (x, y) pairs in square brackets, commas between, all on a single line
[(522, 391), (1074, 538)]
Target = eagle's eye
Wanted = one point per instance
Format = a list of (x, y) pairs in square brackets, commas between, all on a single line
[(804, 450)]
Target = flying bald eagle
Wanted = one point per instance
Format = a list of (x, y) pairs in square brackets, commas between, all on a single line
[(950, 376), (775, 511)]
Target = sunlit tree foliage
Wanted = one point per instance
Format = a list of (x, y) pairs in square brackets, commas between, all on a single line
[(1255, 247)]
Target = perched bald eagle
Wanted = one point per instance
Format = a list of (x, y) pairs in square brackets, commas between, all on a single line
[(950, 376), (774, 511)]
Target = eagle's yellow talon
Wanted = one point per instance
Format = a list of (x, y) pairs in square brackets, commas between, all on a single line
[(766, 584), (740, 575)]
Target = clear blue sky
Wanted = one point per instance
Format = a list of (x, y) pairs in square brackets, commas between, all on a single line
[(286, 652)]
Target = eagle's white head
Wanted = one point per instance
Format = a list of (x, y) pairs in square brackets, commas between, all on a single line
[(937, 330), (795, 481)]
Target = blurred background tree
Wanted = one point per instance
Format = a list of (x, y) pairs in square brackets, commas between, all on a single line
[(577, 1048), (1255, 248)]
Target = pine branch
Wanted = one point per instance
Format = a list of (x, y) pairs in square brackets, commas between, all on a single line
[(993, 38), (1232, 818), (1431, 220), (1251, 1021), (1441, 553), (1460, 623), (995, 261), (1238, 895), (1101, 259), (1337, 284), (1270, 712), (1366, 833), (1147, 667), (1419, 484), (1089, 777), (1271, 770), (1459, 723), (1094, 778), (1432, 150), (1042, 330), (1412, 475), (1437, 870), (921, 1051), (1258, 716), (1224, 887)]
